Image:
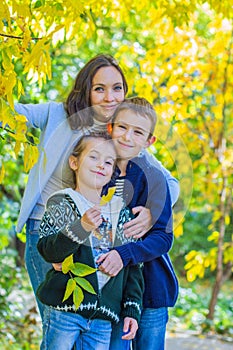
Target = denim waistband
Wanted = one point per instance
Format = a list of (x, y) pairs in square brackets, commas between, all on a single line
[(33, 224)]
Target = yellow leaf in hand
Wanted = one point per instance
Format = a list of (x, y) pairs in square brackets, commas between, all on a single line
[(106, 198)]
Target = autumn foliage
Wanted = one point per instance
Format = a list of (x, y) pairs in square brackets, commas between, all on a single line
[(177, 54)]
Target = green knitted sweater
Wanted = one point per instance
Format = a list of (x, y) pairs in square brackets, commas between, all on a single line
[(61, 235)]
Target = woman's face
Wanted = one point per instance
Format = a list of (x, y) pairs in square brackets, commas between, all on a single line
[(107, 92)]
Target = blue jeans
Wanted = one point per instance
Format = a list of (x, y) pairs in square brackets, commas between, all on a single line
[(152, 329), (66, 329), (116, 342), (36, 266)]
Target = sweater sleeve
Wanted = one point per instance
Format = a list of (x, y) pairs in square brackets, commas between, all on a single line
[(172, 182), (61, 232), (36, 114), (159, 239), (133, 292)]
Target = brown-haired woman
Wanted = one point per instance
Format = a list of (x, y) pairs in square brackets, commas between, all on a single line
[(99, 87)]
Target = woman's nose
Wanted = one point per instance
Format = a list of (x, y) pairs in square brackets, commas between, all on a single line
[(108, 96)]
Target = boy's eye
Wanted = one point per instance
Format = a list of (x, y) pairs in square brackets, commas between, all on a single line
[(138, 132), (121, 126)]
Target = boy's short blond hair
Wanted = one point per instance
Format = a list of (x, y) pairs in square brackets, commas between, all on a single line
[(139, 105)]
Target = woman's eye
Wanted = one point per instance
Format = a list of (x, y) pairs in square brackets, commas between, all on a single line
[(99, 88), (118, 88)]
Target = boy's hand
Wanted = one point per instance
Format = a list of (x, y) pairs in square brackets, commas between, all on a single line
[(139, 226), (110, 263), (130, 328), (91, 219)]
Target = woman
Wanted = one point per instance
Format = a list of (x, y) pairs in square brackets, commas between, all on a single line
[(99, 87)]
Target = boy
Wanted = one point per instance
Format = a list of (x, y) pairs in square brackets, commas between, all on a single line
[(132, 131)]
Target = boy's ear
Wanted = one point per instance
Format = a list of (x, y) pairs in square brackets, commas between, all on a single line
[(73, 162), (151, 140), (109, 128)]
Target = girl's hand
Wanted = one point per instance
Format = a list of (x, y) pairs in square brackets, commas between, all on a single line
[(130, 328), (57, 266), (91, 219), (139, 226)]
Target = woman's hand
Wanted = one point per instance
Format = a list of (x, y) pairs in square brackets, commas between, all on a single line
[(139, 226)]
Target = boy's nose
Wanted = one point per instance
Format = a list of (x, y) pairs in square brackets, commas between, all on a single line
[(128, 135)]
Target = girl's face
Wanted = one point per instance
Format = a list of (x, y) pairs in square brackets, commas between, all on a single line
[(95, 165), (107, 92)]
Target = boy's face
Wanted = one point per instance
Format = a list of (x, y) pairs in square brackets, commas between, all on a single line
[(130, 133)]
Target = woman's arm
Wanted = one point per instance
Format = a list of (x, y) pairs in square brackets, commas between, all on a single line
[(38, 114), (172, 182)]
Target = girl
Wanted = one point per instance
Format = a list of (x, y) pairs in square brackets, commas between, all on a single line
[(75, 223)]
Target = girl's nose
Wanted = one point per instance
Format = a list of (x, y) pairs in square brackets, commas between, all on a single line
[(100, 165)]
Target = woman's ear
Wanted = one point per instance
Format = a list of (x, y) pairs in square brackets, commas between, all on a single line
[(73, 162)]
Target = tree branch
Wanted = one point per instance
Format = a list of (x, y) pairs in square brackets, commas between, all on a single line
[(16, 37)]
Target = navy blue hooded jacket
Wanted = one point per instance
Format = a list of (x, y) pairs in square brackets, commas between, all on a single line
[(147, 186)]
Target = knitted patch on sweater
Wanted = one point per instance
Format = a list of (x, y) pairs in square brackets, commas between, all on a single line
[(90, 306), (60, 214)]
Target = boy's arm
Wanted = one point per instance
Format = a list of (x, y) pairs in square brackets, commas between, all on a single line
[(60, 234), (157, 241)]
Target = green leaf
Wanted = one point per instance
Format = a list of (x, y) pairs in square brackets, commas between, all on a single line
[(81, 270), (78, 296), (70, 286), (67, 264), (85, 284)]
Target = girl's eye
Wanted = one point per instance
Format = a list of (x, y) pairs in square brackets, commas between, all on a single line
[(93, 157), (109, 163)]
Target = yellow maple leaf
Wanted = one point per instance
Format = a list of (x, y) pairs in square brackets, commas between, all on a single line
[(106, 198)]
